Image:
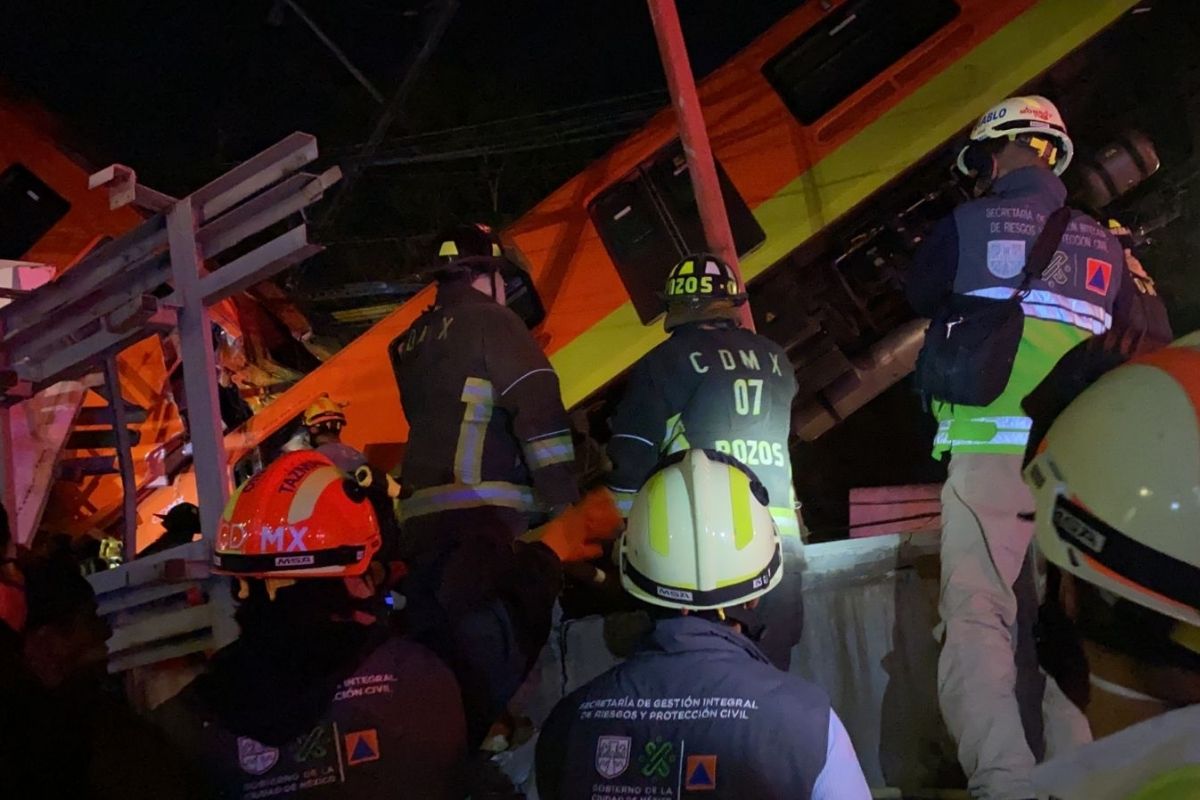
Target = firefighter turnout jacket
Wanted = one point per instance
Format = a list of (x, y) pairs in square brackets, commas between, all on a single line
[(487, 425), (697, 708), (710, 385), (980, 251)]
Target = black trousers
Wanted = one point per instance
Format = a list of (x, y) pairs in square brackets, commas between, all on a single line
[(481, 601)]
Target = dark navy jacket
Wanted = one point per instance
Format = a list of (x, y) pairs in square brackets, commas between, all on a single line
[(696, 709), (392, 727), (980, 250)]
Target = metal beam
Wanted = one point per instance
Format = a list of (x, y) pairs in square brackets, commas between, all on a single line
[(199, 369), (77, 358), (258, 265), (277, 203), (250, 177), (129, 520), (696, 147), (87, 278), (124, 189), (108, 302), (63, 326)]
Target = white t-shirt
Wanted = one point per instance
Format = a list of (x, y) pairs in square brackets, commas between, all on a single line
[(842, 777), (1115, 767)]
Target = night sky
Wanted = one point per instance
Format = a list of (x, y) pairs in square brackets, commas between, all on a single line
[(181, 90)]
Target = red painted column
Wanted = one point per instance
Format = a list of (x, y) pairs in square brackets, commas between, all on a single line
[(692, 131)]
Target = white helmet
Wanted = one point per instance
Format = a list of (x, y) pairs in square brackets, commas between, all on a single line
[(1034, 115), (1117, 483), (700, 535)]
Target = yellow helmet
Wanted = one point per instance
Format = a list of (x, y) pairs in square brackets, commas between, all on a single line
[(324, 411), (1117, 483), (700, 535)]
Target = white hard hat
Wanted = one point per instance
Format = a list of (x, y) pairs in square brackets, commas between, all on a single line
[(1032, 114), (1117, 483), (700, 535)]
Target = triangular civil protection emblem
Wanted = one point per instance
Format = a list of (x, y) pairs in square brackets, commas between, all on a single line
[(362, 746)]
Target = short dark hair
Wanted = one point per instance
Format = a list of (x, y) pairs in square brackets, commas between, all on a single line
[(55, 590)]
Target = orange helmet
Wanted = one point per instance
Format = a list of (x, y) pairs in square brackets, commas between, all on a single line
[(301, 517), (324, 411)]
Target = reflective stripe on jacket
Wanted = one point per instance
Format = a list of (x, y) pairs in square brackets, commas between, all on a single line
[(487, 425), (980, 251)]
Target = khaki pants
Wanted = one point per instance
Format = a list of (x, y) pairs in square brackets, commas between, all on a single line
[(984, 545)]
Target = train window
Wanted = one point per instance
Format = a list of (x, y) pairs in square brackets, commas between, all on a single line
[(649, 219), (520, 292), (28, 210), (847, 49)]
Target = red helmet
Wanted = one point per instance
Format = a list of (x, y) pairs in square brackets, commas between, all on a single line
[(301, 517)]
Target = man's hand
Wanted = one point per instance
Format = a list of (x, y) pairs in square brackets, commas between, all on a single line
[(578, 534)]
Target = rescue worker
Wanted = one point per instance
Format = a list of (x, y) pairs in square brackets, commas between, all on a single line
[(324, 420), (697, 707), (1117, 489), (317, 697), (1145, 328), (489, 448), (712, 384), (1017, 151), (1148, 324), (180, 524), (64, 732)]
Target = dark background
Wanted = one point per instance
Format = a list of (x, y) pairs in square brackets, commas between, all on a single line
[(518, 97)]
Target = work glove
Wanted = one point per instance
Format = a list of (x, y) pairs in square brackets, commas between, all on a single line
[(579, 533)]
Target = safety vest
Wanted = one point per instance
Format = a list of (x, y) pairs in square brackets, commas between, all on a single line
[(1071, 300), (1158, 759)]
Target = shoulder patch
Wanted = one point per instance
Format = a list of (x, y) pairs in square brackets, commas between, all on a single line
[(700, 774), (1099, 276), (1006, 257)]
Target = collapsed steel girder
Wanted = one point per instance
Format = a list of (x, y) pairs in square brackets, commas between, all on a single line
[(115, 296)]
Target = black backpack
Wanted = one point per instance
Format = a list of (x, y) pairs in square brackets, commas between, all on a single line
[(971, 342)]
